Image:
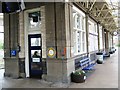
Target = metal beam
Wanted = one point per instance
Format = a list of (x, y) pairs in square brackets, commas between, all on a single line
[(108, 20), (100, 18), (101, 9), (92, 5), (104, 10), (112, 17), (105, 16), (86, 4), (110, 24)]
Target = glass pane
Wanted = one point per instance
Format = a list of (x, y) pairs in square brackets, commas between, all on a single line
[(35, 53), (83, 37), (74, 18), (78, 41), (34, 20), (36, 60), (83, 23), (83, 47), (1, 29), (95, 26), (78, 22), (35, 42)]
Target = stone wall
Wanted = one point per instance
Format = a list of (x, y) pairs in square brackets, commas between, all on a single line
[(10, 43), (57, 32), (58, 27)]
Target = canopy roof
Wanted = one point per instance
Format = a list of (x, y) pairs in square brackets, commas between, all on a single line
[(103, 12)]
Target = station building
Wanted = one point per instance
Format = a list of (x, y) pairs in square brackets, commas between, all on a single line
[(61, 33)]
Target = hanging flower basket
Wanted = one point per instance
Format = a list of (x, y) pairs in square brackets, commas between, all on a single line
[(78, 76)]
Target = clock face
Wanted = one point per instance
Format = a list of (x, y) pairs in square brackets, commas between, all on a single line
[(51, 52)]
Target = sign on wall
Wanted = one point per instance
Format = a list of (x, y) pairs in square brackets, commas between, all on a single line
[(51, 52), (13, 52), (35, 59)]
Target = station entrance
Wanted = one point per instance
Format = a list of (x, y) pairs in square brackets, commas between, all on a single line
[(35, 55), (33, 43)]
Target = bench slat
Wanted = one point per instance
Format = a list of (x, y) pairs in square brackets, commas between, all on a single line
[(82, 64), (85, 64), (84, 59)]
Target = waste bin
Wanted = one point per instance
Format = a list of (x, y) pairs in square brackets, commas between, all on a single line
[(99, 57)]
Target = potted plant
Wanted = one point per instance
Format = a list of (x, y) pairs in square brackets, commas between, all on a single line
[(78, 76)]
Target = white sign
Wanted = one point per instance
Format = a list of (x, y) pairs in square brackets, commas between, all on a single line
[(36, 60)]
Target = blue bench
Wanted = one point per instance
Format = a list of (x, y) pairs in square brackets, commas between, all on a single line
[(86, 64)]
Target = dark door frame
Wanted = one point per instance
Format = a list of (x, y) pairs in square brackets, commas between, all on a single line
[(34, 72)]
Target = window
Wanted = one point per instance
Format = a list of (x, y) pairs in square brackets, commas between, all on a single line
[(35, 41), (93, 36), (79, 31), (83, 23), (95, 26), (78, 21), (83, 39), (34, 20)]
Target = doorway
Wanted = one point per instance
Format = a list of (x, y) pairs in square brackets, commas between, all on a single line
[(34, 25), (35, 55)]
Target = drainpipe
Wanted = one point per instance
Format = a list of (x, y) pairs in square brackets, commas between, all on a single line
[(55, 28), (98, 36), (112, 41)]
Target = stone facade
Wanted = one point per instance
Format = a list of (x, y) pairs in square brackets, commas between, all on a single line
[(57, 32), (10, 43)]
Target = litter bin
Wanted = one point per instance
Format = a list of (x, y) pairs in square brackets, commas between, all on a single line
[(99, 57)]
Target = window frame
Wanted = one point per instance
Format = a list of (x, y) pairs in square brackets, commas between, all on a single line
[(81, 30), (93, 35)]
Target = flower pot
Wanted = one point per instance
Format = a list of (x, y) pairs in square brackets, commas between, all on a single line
[(78, 78)]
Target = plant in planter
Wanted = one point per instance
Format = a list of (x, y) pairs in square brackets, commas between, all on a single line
[(78, 76)]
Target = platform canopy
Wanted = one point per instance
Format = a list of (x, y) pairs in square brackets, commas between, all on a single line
[(103, 11)]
